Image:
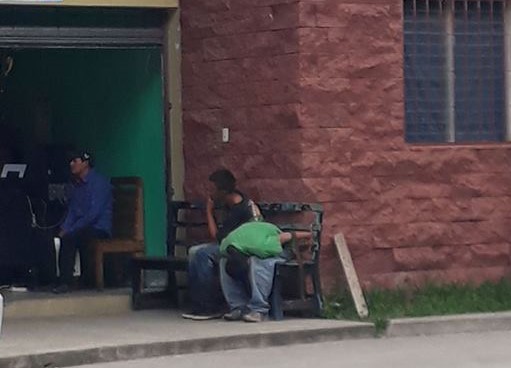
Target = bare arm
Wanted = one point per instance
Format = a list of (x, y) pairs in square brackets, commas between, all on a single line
[(285, 237), (212, 228)]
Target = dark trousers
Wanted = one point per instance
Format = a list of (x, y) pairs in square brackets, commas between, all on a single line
[(69, 244), (44, 261)]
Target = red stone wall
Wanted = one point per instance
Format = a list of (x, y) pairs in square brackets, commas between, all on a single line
[(313, 93), (240, 71)]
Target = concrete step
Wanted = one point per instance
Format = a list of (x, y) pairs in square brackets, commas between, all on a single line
[(26, 304)]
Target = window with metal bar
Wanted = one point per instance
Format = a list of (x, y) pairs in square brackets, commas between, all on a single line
[(455, 70)]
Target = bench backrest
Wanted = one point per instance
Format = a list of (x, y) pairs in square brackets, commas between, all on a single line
[(185, 218), (188, 226), (128, 208), (295, 216)]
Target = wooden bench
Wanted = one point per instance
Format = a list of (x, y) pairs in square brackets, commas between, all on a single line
[(127, 224), (296, 284)]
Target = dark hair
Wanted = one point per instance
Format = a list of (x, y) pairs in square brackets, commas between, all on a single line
[(224, 180)]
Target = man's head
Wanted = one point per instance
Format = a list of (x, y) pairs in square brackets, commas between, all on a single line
[(80, 163), (224, 183)]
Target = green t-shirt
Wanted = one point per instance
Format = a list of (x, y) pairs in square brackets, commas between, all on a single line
[(260, 239)]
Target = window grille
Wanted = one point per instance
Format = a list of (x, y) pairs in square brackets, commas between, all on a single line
[(455, 70)]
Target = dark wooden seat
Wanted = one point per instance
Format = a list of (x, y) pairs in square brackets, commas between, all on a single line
[(296, 284), (127, 224), (184, 218)]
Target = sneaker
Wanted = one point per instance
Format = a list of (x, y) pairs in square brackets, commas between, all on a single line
[(201, 316), (254, 317), (234, 315), (61, 289)]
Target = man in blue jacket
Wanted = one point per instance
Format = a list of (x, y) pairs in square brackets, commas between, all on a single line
[(89, 217)]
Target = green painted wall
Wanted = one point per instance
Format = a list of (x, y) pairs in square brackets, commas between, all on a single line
[(107, 101)]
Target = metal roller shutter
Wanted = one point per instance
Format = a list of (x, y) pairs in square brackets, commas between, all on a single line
[(79, 37), (52, 27)]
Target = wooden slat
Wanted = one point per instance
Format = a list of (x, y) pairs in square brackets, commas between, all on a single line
[(127, 223), (118, 246), (128, 207), (351, 275)]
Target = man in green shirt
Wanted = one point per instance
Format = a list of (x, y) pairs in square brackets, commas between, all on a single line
[(259, 245)]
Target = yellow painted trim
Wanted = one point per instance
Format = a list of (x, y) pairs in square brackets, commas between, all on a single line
[(165, 4), (173, 80)]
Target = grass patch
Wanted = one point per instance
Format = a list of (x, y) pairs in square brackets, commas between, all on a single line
[(429, 300)]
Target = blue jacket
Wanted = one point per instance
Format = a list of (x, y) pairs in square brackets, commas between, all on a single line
[(90, 205)]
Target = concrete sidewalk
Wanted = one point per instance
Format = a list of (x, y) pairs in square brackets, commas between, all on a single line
[(68, 341), (77, 340), (450, 324)]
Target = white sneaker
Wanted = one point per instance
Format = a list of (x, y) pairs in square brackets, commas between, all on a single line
[(255, 317), (201, 316)]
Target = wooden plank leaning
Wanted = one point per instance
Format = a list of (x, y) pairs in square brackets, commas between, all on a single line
[(351, 275)]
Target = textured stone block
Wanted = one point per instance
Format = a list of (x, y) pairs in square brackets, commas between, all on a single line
[(278, 189), (224, 96), (490, 254), (286, 165), (248, 19), (376, 261), (325, 165), (240, 71), (332, 90), (250, 45), (432, 258), (355, 115), (475, 276), (375, 65)]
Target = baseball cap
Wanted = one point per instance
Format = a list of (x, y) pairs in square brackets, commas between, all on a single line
[(81, 154)]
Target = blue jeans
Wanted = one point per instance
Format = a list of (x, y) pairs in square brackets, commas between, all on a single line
[(204, 288), (260, 280)]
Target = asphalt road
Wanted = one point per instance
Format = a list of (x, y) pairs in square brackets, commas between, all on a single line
[(489, 350)]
